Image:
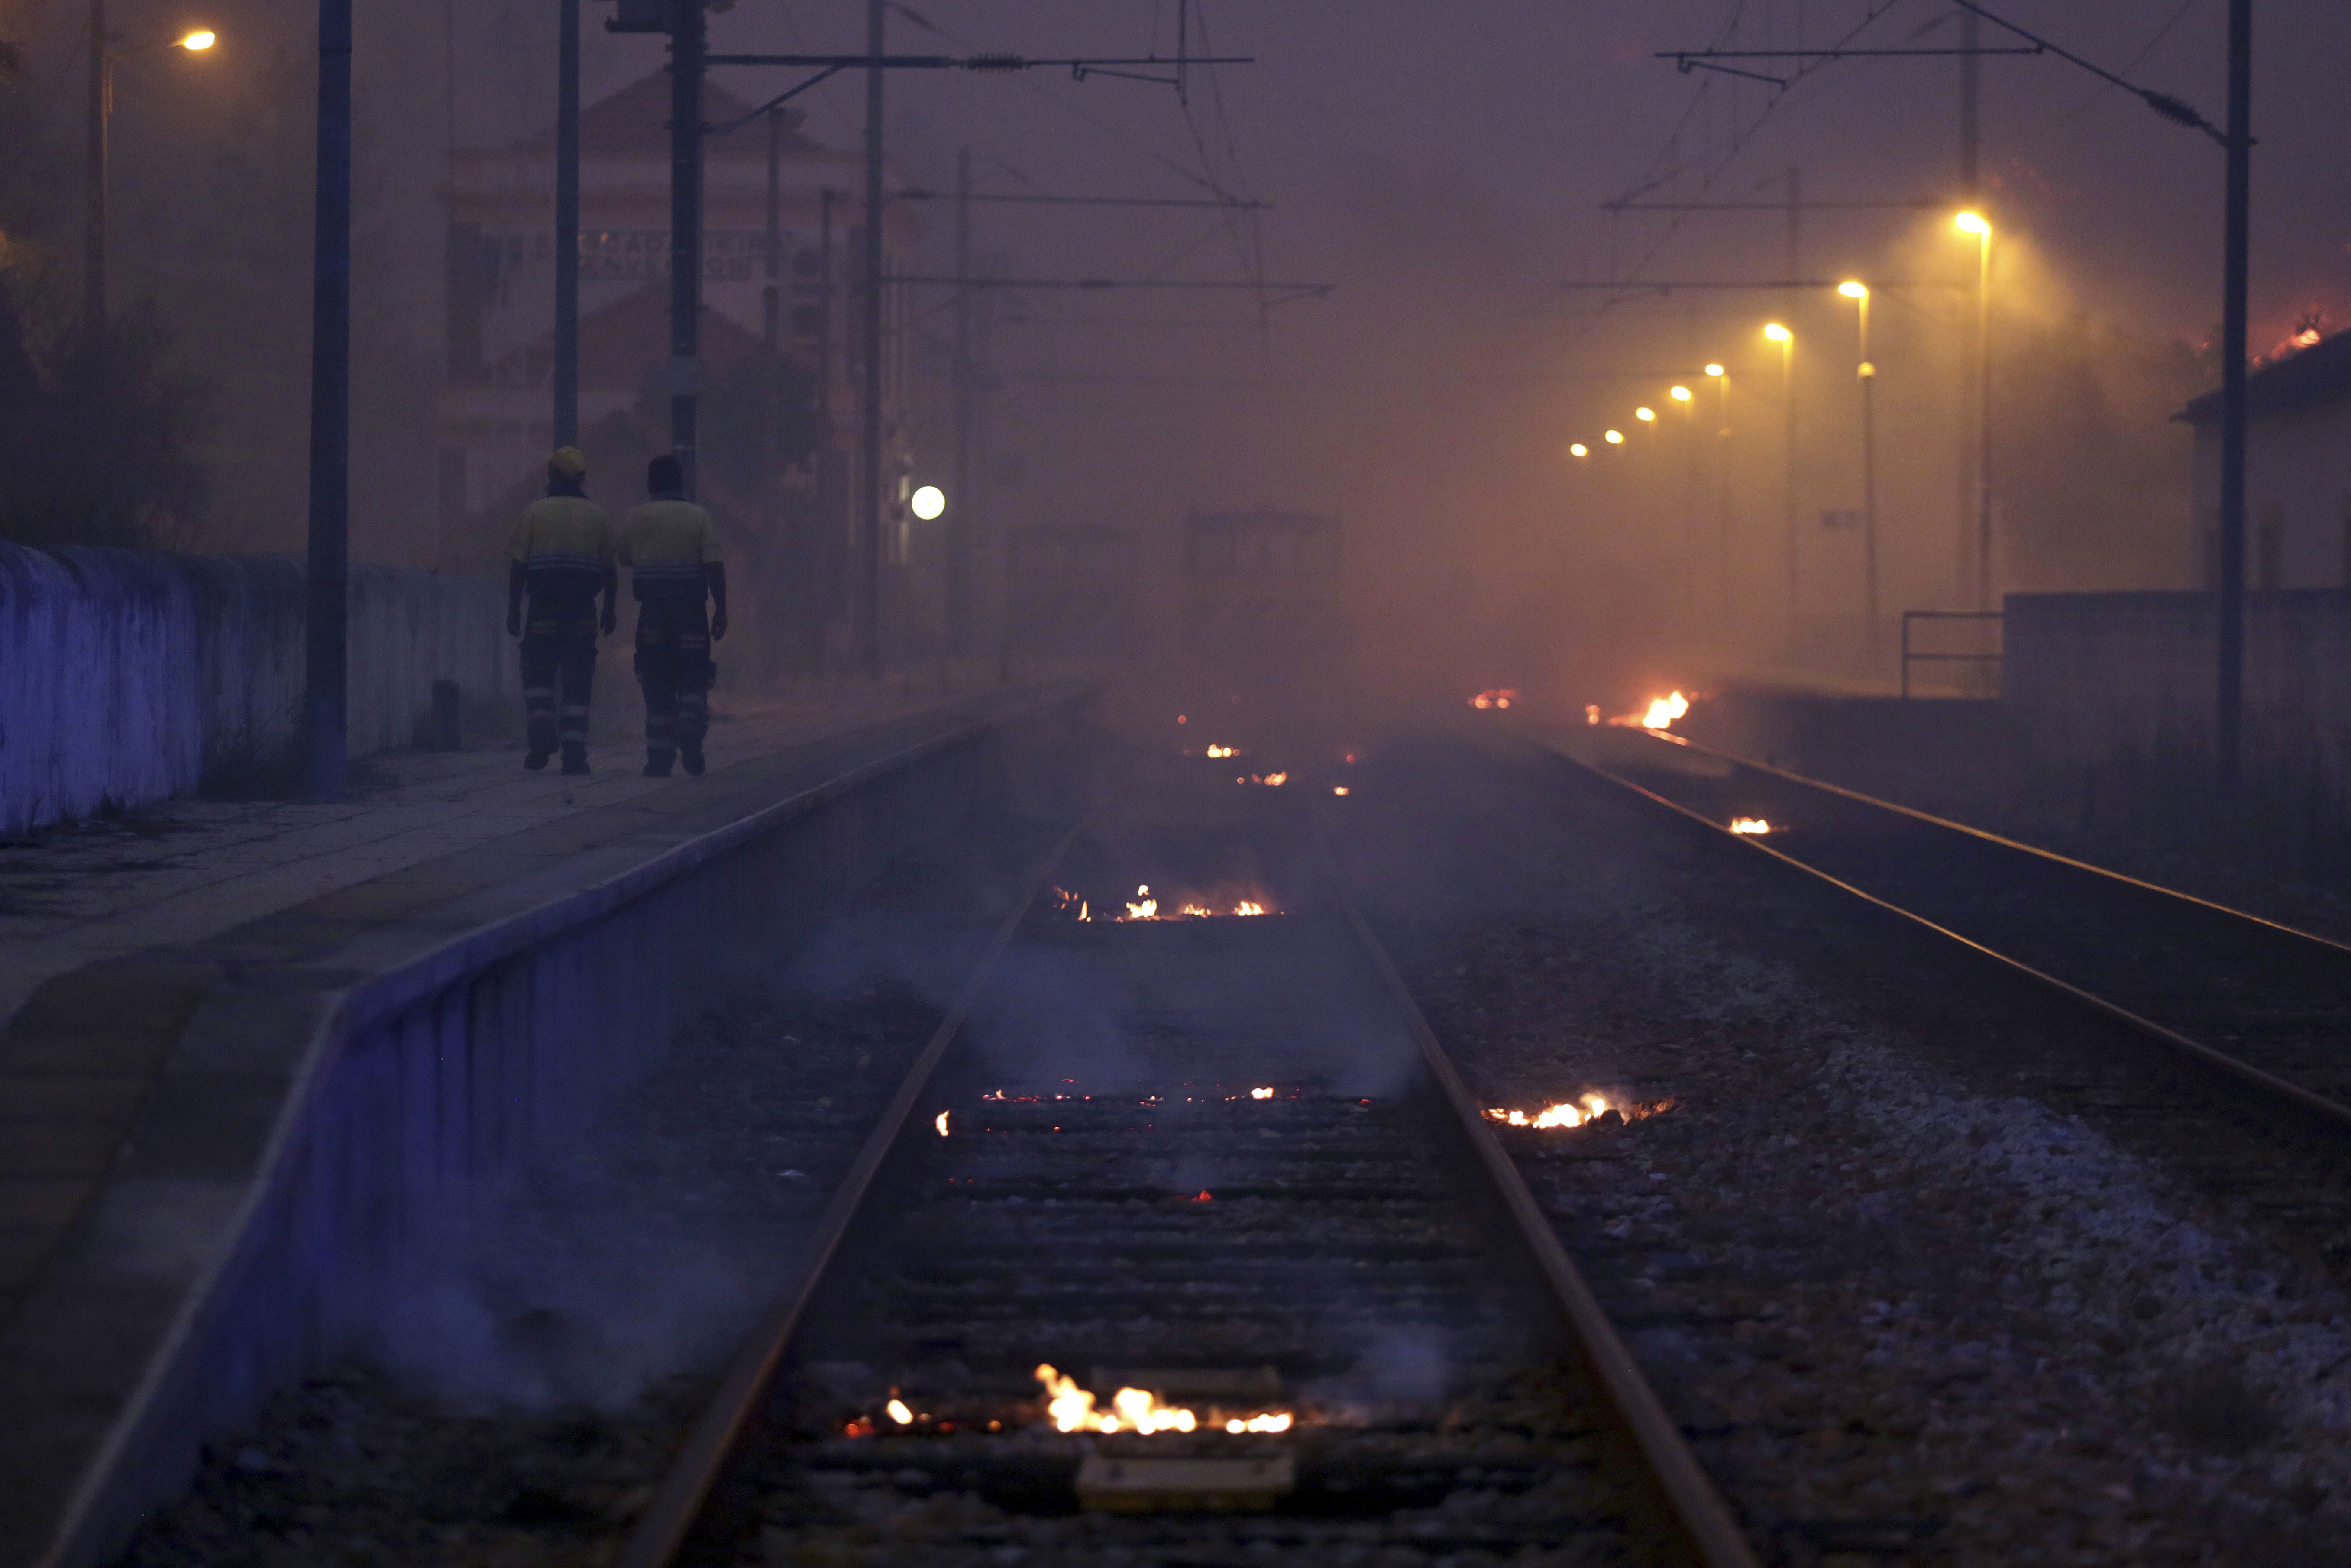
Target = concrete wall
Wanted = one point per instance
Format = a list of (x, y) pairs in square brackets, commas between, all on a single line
[(128, 677)]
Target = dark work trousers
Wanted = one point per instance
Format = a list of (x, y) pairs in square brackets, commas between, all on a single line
[(675, 669), (558, 667)]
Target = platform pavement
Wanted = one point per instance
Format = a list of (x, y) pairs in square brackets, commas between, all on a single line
[(190, 869)]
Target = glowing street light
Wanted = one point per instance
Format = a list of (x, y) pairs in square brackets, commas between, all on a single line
[(1777, 333), (1717, 371), (1680, 394), (929, 503), (203, 38), (1577, 449), (1853, 291), (1615, 438), (1645, 415), (1972, 223)]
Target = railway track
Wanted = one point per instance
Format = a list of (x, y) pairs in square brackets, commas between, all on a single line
[(1212, 1175), (2264, 1003)]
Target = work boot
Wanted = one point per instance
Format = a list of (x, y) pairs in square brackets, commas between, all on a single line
[(689, 753), (657, 764), (575, 759), (535, 760)]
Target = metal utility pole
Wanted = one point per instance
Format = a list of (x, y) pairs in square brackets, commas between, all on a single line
[(1867, 375), (567, 225), (2230, 708), (101, 108), (685, 68), (771, 296), (869, 531), (959, 505), (327, 567)]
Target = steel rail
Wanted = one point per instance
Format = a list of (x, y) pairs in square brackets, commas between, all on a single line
[(1696, 1506), (662, 1529), (1932, 821), (2320, 1105)]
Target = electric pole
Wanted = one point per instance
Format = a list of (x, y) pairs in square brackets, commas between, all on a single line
[(2230, 708), (868, 553), (567, 225), (327, 568), (685, 67), (960, 503)]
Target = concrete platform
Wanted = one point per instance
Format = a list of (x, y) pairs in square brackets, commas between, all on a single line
[(247, 1046)]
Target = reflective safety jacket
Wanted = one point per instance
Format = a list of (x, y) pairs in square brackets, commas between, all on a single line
[(565, 545), (666, 544)]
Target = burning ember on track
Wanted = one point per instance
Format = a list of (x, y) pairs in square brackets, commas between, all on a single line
[(1072, 1409), (1659, 715), (1575, 1114), (1224, 751), (1495, 697), (1145, 905), (1750, 825), (1275, 780), (1069, 904)]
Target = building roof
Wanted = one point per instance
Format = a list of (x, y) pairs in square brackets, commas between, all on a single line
[(2318, 374), (634, 122)]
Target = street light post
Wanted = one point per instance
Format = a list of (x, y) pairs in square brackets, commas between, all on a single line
[(1787, 342), (101, 110), (1980, 524), (1867, 374), (324, 705)]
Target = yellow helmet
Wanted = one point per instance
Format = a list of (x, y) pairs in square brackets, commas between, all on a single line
[(570, 462)]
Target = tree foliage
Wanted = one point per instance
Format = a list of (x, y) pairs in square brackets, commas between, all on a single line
[(98, 434)]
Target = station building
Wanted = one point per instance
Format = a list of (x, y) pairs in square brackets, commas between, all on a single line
[(780, 362), (2297, 471)]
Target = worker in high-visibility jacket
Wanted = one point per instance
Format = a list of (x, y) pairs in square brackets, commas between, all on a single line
[(562, 556), (671, 547)]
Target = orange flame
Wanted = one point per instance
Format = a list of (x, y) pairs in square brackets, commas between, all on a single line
[(1750, 825), (1495, 697)]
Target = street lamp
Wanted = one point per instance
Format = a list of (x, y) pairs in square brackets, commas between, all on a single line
[(1866, 374), (1680, 394), (1974, 224), (102, 46), (1577, 449), (1787, 342), (1615, 438), (1645, 415), (928, 503)]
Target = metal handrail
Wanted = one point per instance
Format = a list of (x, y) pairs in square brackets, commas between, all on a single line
[(1908, 657)]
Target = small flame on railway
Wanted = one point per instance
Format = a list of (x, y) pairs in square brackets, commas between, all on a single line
[(941, 1123), (1271, 780), (1659, 715), (1072, 1409), (1146, 906), (1069, 904), (1224, 751), (1750, 825), (1338, 789), (1261, 1093), (1495, 697), (899, 1413), (1573, 1113)]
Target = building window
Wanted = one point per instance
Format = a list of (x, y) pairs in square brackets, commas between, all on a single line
[(2270, 544)]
